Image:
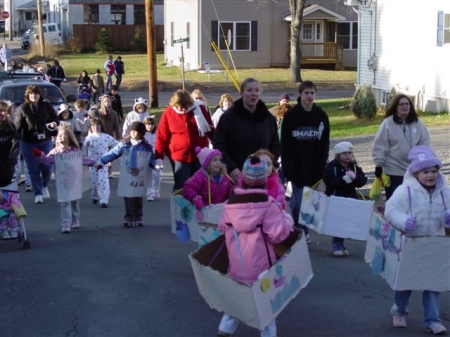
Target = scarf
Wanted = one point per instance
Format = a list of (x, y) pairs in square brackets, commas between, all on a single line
[(202, 125)]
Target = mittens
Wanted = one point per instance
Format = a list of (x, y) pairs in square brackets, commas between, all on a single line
[(98, 165), (351, 174), (410, 225), (198, 203), (447, 219), (378, 171), (347, 178), (37, 152)]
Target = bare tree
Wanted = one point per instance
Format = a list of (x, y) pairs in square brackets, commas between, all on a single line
[(296, 7)]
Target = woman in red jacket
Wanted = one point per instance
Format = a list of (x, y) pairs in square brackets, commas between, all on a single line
[(184, 125)]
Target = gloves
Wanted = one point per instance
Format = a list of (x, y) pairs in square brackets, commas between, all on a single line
[(159, 164), (410, 225), (351, 174), (98, 165), (37, 152), (347, 179), (447, 219), (198, 203), (378, 171)]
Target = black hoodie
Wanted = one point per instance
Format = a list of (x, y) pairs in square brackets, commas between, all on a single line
[(305, 139), (241, 133)]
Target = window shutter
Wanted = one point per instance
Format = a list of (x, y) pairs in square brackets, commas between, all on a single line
[(440, 29), (254, 36), (215, 33)]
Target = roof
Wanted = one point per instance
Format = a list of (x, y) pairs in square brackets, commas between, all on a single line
[(27, 6), (319, 12)]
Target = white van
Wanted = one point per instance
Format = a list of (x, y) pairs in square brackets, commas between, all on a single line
[(52, 34)]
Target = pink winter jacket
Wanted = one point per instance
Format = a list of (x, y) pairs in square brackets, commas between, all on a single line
[(256, 217), (198, 185)]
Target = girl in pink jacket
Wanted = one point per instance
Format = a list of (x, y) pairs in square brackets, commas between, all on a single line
[(252, 222), (210, 184)]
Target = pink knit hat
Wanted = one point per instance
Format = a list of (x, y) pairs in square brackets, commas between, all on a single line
[(205, 155)]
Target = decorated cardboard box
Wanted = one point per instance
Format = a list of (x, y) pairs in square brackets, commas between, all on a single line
[(259, 304), (188, 224), (345, 218), (408, 263)]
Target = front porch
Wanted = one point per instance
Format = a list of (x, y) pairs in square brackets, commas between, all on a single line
[(322, 53)]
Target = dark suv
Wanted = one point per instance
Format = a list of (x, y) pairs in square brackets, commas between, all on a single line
[(13, 86)]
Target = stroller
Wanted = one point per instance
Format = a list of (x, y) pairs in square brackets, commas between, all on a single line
[(11, 192)]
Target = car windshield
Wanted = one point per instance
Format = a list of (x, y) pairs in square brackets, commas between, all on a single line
[(16, 94)]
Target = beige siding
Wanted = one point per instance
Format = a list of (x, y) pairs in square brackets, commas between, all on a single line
[(350, 58), (280, 34)]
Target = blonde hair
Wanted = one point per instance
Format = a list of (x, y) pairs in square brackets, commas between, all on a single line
[(80, 103), (269, 154), (197, 92), (181, 97), (225, 97), (102, 109), (68, 133)]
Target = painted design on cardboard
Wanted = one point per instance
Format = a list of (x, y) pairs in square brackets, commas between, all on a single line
[(265, 284), (384, 232), (314, 206), (279, 279), (182, 231), (285, 294), (69, 176), (187, 208)]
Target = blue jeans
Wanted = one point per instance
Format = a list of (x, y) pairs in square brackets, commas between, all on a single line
[(118, 80), (396, 181), (182, 172), (36, 169), (109, 82), (295, 204), (430, 301)]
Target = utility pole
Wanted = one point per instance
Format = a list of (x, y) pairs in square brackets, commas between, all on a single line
[(11, 33), (151, 54), (41, 28)]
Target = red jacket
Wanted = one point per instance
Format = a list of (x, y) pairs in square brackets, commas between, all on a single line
[(178, 135)]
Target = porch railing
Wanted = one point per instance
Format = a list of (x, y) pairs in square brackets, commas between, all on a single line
[(322, 53)]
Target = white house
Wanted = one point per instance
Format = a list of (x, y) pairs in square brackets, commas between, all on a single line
[(405, 45)]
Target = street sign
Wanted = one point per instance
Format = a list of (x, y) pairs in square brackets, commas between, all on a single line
[(186, 39), (5, 15)]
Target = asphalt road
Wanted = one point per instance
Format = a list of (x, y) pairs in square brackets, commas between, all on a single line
[(104, 280)]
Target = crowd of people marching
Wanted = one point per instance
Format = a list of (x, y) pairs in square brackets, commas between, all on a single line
[(242, 154)]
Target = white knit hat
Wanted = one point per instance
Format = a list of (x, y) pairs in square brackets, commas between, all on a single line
[(140, 101), (343, 147)]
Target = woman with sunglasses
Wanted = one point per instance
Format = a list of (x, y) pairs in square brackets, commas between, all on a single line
[(399, 132)]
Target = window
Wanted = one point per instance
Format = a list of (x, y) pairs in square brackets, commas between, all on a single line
[(318, 32), (307, 31), (347, 34), (91, 14), (242, 35), (188, 35), (139, 15), (118, 14), (28, 16), (447, 29)]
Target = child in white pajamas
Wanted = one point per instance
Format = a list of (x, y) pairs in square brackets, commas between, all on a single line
[(150, 136), (98, 143)]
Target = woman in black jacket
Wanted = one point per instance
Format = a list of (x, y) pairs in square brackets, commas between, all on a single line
[(35, 121)]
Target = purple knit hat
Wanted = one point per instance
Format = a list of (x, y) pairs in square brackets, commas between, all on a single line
[(422, 157), (205, 155)]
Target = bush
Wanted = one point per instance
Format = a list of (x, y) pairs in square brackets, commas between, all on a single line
[(138, 44), (364, 103), (74, 44), (103, 44), (390, 98), (51, 51)]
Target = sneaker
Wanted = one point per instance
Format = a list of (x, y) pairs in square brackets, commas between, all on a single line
[(45, 193), (436, 328), (75, 225), (38, 199), (5, 235), (110, 176), (223, 334), (21, 182), (346, 253), (338, 253), (308, 239), (65, 229), (399, 321), (94, 201), (150, 198), (139, 223), (28, 188), (127, 224), (13, 234), (157, 195)]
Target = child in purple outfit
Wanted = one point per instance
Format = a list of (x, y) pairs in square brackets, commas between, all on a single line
[(210, 184)]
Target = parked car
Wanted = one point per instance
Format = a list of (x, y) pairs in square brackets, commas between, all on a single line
[(26, 40), (13, 86)]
